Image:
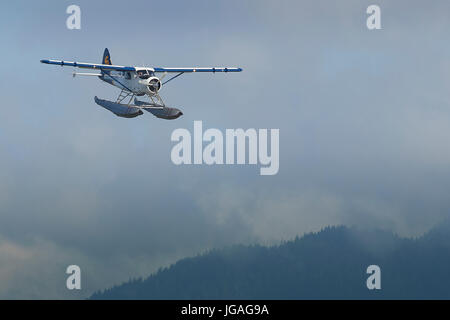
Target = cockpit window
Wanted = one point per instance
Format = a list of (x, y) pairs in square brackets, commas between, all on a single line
[(143, 74)]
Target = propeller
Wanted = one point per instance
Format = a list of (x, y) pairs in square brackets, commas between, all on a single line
[(154, 83), (163, 76)]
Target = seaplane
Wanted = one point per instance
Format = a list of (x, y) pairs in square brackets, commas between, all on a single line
[(135, 82)]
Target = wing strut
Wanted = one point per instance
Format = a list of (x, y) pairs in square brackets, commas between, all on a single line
[(179, 74)]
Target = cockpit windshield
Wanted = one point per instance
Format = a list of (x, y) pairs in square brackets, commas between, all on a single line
[(143, 74)]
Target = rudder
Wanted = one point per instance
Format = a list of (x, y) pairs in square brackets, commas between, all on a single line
[(106, 57)]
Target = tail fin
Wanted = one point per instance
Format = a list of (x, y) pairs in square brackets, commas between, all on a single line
[(106, 57)]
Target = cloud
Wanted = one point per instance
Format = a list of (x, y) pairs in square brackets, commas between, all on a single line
[(363, 119)]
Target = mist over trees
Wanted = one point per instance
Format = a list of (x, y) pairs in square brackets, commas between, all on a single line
[(330, 264)]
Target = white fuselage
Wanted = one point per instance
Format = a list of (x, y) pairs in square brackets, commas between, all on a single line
[(141, 82)]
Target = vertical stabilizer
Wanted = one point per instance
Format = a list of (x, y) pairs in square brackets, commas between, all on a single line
[(106, 59)]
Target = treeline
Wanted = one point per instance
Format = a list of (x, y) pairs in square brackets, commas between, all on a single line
[(330, 264)]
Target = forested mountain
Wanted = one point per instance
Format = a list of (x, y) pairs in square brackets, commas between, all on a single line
[(325, 265)]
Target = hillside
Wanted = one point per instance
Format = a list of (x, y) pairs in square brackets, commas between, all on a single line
[(325, 265)]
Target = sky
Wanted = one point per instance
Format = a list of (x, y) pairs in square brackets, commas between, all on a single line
[(364, 120)]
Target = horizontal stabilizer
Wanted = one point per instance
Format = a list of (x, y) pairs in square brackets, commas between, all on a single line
[(120, 110)]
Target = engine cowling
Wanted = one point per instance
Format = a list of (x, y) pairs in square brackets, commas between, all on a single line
[(154, 84)]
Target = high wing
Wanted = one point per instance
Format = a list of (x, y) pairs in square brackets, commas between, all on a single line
[(99, 66), (89, 65), (183, 70)]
